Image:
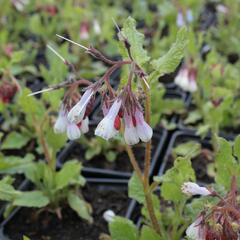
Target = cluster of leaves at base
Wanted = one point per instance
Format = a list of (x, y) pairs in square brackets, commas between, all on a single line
[(51, 188)]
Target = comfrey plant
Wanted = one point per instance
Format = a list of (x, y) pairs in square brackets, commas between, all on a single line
[(122, 109), (50, 188)]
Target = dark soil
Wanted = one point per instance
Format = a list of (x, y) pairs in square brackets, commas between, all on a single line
[(47, 226), (122, 162), (199, 163)]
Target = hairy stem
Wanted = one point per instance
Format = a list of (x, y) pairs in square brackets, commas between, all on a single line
[(149, 203)]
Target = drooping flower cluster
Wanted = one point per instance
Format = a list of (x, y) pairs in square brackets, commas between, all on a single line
[(220, 221), (186, 79), (73, 118), (136, 128), (75, 121)]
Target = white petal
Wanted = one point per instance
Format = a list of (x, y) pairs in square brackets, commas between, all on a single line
[(180, 19), (105, 128), (84, 126), (182, 78), (60, 125), (113, 111), (84, 35), (96, 27), (144, 131), (108, 216), (195, 230), (192, 86), (77, 113), (73, 131), (131, 136), (191, 188)]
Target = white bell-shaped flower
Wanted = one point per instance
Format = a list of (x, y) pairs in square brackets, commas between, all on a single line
[(73, 131), (144, 131), (196, 231), (191, 188), (105, 128), (186, 79), (76, 114), (130, 132), (60, 125)]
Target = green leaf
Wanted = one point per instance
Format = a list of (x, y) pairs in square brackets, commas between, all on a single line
[(55, 142), (31, 199), (190, 149), (173, 179), (7, 191), (148, 233), (17, 56), (15, 140), (123, 229), (136, 40), (13, 164), (193, 117), (225, 163), (110, 156), (26, 238), (169, 62), (69, 172), (82, 208), (236, 147), (31, 107), (135, 189)]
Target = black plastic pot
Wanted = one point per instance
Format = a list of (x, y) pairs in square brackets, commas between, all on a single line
[(182, 137), (92, 172), (101, 185)]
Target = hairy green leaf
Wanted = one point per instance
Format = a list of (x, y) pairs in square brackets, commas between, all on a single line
[(31, 199), (123, 229), (190, 149), (15, 140), (14, 164), (135, 189), (169, 62), (225, 163), (148, 233), (173, 179), (69, 172), (136, 40), (7, 191), (82, 208)]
